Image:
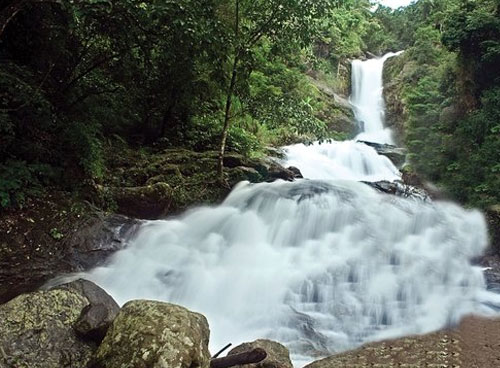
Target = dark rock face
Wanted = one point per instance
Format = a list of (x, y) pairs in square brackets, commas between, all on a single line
[(493, 218), (86, 243), (491, 272), (277, 171), (97, 316), (399, 189), (395, 154), (278, 355), (92, 244), (155, 334)]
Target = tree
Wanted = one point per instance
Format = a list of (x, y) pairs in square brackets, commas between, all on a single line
[(279, 21)]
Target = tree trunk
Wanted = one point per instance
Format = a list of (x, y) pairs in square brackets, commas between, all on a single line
[(10, 12), (167, 116), (227, 121), (247, 357), (227, 113)]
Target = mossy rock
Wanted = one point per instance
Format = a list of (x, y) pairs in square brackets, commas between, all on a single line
[(147, 202), (36, 330), (155, 334)]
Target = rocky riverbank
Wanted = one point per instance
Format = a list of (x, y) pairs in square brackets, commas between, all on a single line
[(61, 232), (79, 325)]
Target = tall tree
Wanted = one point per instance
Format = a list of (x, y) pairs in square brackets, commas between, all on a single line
[(280, 21)]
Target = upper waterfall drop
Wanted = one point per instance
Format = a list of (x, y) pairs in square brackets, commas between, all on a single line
[(367, 99), (351, 160)]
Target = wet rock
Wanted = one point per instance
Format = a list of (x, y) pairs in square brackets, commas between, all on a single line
[(155, 334), (296, 172), (100, 237), (491, 266), (30, 256), (36, 330), (278, 355), (492, 214), (395, 154), (276, 171), (400, 189), (98, 315)]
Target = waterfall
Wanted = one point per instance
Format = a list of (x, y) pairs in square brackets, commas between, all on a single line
[(368, 101), (322, 264)]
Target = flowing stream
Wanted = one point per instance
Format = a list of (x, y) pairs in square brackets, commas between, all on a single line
[(322, 264)]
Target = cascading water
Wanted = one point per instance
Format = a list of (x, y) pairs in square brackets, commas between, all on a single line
[(320, 265), (367, 99)]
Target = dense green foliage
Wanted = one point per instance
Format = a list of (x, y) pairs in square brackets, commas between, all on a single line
[(80, 78), (452, 94)]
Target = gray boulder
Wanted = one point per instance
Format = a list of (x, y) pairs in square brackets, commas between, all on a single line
[(36, 330), (278, 355), (97, 316), (400, 189), (155, 334), (396, 154)]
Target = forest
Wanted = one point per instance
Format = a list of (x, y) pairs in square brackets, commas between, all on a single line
[(85, 82)]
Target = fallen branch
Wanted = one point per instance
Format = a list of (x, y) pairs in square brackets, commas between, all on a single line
[(222, 350), (248, 357)]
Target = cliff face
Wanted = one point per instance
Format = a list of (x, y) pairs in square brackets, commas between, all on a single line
[(397, 72)]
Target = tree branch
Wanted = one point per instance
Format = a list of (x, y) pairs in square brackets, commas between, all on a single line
[(247, 357)]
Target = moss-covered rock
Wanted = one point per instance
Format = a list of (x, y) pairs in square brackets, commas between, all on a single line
[(169, 181), (336, 110), (155, 334), (36, 330), (278, 355), (397, 73), (147, 202), (493, 218)]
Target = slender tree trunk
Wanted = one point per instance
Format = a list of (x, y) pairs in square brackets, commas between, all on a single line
[(167, 116), (9, 12), (232, 84), (227, 121)]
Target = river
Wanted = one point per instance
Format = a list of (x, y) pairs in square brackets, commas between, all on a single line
[(322, 264)]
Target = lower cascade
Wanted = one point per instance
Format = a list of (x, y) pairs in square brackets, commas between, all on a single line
[(322, 264)]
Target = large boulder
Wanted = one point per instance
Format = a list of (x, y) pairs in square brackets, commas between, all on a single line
[(396, 154), (399, 189), (36, 330), (145, 202), (96, 317), (155, 334), (278, 355)]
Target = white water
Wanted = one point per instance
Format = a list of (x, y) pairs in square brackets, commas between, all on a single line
[(350, 160), (347, 160), (320, 265), (367, 99)]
